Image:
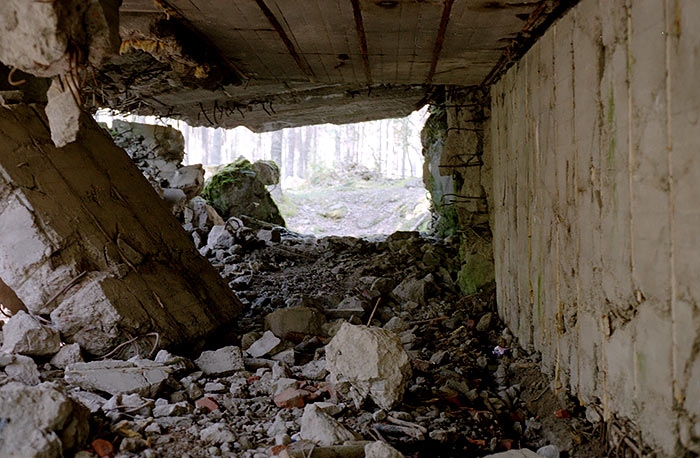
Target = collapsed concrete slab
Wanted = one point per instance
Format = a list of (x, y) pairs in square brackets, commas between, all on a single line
[(87, 240)]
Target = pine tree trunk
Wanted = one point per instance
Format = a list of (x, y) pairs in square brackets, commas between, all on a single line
[(288, 169), (275, 147)]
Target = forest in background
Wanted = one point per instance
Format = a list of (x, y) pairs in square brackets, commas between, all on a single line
[(389, 147)]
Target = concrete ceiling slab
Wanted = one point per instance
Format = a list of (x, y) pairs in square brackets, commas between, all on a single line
[(290, 56)]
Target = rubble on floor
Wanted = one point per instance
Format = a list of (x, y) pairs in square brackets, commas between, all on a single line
[(391, 378)]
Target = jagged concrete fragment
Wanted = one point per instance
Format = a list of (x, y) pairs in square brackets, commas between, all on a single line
[(264, 345), (24, 334), (140, 376), (322, 429), (63, 112), (372, 360), (202, 215), (380, 449), (223, 361), (40, 422), (190, 179), (86, 239), (68, 354), (23, 369)]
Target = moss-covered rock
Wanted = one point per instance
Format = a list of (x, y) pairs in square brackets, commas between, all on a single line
[(237, 190)]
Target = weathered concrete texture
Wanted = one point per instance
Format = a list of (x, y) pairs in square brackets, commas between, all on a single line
[(457, 173), (87, 240), (40, 422), (596, 185)]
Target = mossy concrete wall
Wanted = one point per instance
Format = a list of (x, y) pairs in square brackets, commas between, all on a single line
[(458, 175), (596, 134)]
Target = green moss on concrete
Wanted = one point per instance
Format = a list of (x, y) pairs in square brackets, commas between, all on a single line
[(476, 273), (230, 174)]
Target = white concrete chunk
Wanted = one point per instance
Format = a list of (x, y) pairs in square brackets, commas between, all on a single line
[(372, 360), (39, 422), (24, 334), (264, 345), (320, 428), (380, 449), (68, 354), (23, 369)]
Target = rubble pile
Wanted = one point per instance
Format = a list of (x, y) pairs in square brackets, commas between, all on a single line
[(348, 348)]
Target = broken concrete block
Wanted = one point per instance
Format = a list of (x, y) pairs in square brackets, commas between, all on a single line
[(349, 307), (217, 433), (224, 361), (140, 376), (68, 354), (314, 370), (380, 449), (264, 345), (23, 369), (290, 398), (94, 204), (189, 179), (373, 360), (322, 429), (40, 421), (298, 321), (24, 334)]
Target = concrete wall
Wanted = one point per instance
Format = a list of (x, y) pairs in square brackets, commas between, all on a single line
[(596, 201)]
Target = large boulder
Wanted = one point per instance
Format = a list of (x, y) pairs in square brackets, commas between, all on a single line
[(372, 360), (40, 421), (236, 190)]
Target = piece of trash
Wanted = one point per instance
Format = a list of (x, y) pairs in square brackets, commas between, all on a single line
[(562, 414), (500, 351), (103, 448), (296, 437)]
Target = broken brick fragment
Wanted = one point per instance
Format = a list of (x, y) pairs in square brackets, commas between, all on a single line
[(207, 402), (291, 397)]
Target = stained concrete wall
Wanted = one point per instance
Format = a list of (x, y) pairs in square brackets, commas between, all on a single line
[(596, 196)]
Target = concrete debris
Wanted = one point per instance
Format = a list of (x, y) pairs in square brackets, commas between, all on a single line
[(40, 421), (24, 334), (298, 320), (224, 361), (140, 376), (175, 199), (217, 434), (549, 451), (380, 449), (63, 112), (23, 369), (264, 346), (219, 238), (189, 179), (320, 428), (68, 354), (372, 360), (414, 289)]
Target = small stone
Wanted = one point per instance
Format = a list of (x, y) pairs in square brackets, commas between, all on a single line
[(283, 439), (170, 410), (379, 415), (314, 370), (68, 354), (484, 322), (522, 453), (25, 335)]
